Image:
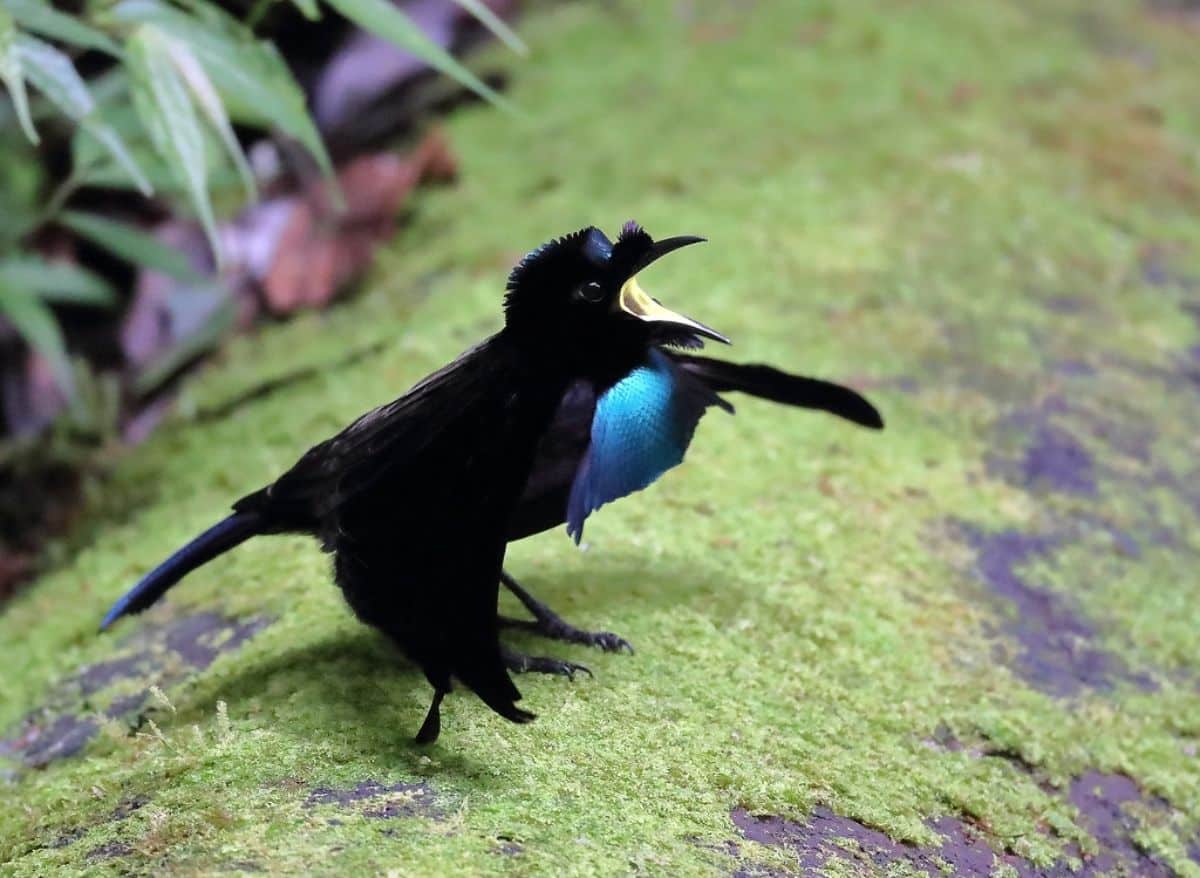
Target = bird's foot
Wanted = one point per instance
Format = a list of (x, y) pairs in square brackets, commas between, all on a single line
[(548, 623), (554, 627), (519, 663)]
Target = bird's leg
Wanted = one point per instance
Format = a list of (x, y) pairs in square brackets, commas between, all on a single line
[(547, 623), (519, 663), (432, 727)]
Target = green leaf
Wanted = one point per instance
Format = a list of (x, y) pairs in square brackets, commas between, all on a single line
[(210, 104), (12, 77), (40, 17), (129, 243), (22, 188), (162, 100), (56, 281), (53, 74), (252, 79), (35, 323), (495, 24), (111, 141), (93, 164), (380, 17)]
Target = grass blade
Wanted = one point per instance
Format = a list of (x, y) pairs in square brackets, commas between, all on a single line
[(380, 17), (129, 243), (12, 77), (165, 106), (56, 281), (205, 95), (42, 18), (254, 83), (35, 323), (495, 24), (53, 74)]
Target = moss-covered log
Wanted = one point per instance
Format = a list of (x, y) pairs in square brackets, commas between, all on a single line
[(967, 644)]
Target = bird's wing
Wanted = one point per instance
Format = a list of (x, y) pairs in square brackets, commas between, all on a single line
[(392, 435), (414, 499), (641, 427), (778, 386), (543, 502)]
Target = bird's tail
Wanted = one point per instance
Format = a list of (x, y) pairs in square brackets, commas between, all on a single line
[(782, 387), (217, 540)]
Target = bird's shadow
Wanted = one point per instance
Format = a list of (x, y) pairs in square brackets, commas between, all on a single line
[(356, 676)]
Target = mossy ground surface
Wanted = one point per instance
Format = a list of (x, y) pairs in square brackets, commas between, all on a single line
[(983, 620)]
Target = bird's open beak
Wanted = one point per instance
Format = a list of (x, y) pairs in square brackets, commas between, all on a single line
[(662, 247), (636, 302)]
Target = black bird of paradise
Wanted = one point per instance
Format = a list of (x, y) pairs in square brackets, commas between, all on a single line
[(583, 397)]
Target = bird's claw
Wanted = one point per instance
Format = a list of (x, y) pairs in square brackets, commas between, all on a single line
[(553, 627), (519, 663), (607, 641), (547, 623)]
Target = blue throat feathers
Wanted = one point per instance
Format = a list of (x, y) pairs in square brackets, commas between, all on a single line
[(641, 428)]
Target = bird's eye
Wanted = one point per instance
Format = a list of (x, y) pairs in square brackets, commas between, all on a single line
[(590, 292)]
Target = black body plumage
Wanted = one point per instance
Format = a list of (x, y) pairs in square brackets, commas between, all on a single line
[(417, 499)]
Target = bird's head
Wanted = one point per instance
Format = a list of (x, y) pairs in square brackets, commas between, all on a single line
[(579, 295)]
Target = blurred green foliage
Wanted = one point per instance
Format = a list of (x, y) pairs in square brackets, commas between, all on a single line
[(148, 93)]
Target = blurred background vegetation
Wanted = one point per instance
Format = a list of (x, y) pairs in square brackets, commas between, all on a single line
[(173, 172)]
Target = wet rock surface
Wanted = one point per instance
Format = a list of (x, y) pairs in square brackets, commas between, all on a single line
[(380, 801), (155, 655), (1106, 805), (1055, 651)]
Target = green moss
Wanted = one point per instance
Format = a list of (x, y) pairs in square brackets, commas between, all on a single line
[(892, 193)]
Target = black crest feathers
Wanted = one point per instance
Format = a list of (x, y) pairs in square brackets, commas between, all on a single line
[(632, 247), (556, 258)]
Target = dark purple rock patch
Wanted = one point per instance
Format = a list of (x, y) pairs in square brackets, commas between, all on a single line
[(127, 807), (110, 851), (69, 837), (1067, 304), (380, 801), (1074, 368), (1055, 655), (101, 675), (1156, 266), (827, 836), (508, 847), (1091, 458), (200, 639), (39, 743), (1102, 801), (1052, 459), (153, 656), (1057, 460)]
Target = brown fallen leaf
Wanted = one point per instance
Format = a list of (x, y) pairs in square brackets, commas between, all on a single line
[(320, 248)]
